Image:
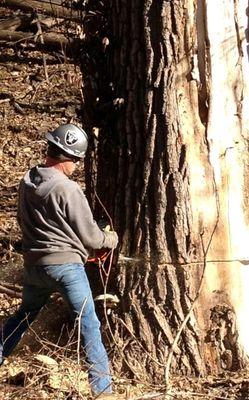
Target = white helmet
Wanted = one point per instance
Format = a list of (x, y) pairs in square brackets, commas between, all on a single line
[(70, 138)]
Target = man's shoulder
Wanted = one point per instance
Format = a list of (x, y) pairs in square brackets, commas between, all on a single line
[(66, 186)]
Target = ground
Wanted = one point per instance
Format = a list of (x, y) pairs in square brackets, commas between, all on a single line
[(45, 365)]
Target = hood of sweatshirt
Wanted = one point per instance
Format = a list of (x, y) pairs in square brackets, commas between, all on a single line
[(41, 180)]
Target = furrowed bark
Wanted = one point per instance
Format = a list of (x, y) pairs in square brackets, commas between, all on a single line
[(170, 181)]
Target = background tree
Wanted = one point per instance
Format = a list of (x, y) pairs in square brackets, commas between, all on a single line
[(168, 84)]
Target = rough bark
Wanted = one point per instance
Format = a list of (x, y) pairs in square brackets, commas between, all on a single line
[(165, 151), (157, 215)]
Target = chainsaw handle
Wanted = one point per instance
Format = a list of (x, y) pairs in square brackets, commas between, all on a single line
[(100, 257)]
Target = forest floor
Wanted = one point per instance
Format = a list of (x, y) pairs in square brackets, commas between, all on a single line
[(45, 364)]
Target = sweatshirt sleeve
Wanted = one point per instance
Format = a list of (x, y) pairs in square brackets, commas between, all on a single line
[(81, 220)]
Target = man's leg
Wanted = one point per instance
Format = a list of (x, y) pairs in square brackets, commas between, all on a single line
[(74, 287), (33, 299)]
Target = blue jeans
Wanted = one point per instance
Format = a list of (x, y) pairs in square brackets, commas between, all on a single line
[(72, 282)]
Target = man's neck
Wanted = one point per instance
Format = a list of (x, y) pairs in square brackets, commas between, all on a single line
[(66, 167), (55, 163)]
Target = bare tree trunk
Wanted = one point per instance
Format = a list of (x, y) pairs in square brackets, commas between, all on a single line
[(157, 215), (169, 165)]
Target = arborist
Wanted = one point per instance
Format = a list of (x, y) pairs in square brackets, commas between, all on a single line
[(58, 230)]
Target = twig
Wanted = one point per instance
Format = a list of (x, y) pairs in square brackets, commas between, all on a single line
[(10, 292), (8, 186), (139, 344), (21, 40), (205, 395), (150, 396), (12, 286), (105, 210), (171, 352), (105, 283), (79, 333), (40, 34)]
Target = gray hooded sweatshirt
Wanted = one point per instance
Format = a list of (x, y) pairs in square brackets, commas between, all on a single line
[(55, 219)]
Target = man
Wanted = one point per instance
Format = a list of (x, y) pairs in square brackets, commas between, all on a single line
[(58, 230)]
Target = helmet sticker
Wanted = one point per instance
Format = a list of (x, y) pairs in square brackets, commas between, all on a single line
[(71, 138)]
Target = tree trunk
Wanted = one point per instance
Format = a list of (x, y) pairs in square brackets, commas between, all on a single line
[(172, 171)]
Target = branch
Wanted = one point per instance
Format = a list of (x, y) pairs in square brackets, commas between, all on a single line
[(40, 35), (14, 23), (52, 40), (43, 7), (10, 292)]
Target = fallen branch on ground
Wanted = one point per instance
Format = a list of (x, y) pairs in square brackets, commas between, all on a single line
[(12, 286), (52, 40), (14, 23), (24, 21), (43, 7), (40, 36), (10, 292)]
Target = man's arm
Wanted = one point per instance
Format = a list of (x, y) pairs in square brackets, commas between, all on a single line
[(80, 218)]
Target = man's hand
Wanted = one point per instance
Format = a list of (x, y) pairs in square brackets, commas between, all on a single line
[(111, 239)]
